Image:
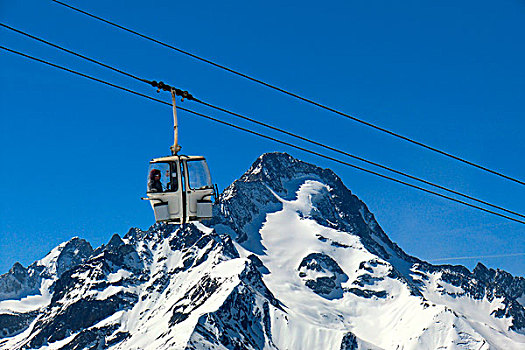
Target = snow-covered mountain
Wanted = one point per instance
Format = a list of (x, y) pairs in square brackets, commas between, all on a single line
[(291, 260)]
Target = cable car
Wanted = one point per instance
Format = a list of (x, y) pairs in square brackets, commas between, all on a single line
[(179, 186), (180, 189)]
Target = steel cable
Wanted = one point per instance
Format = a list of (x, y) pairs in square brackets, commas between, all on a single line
[(263, 135), (291, 134), (296, 96)]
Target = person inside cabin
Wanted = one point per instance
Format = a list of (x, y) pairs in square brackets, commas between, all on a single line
[(154, 184)]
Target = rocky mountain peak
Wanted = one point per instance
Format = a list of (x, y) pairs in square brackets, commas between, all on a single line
[(272, 178), (276, 169), (114, 242), (20, 282), (71, 254), (18, 271), (277, 177)]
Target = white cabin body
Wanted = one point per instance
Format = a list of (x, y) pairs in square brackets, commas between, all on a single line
[(180, 189)]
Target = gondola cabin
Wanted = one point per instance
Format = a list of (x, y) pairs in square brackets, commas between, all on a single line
[(180, 189)]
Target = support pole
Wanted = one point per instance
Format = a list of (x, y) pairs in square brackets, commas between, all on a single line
[(176, 147)]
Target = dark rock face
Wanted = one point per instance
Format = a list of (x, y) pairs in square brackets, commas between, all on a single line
[(77, 317), (240, 204), (238, 313), (349, 342), (486, 283), (14, 323), (74, 253), (323, 275), (192, 240), (366, 280), (367, 293), (501, 281), (501, 284), (194, 299), (241, 322), (96, 338)]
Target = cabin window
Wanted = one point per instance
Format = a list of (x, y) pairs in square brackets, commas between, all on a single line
[(198, 174), (162, 178)]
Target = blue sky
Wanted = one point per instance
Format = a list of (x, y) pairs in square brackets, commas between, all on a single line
[(74, 153)]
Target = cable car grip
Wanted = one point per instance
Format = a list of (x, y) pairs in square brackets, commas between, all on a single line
[(165, 87)]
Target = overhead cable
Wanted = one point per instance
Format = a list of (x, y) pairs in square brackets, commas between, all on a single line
[(294, 95), (263, 136), (187, 95)]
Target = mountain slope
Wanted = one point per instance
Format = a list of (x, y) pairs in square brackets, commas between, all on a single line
[(291, 260)]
